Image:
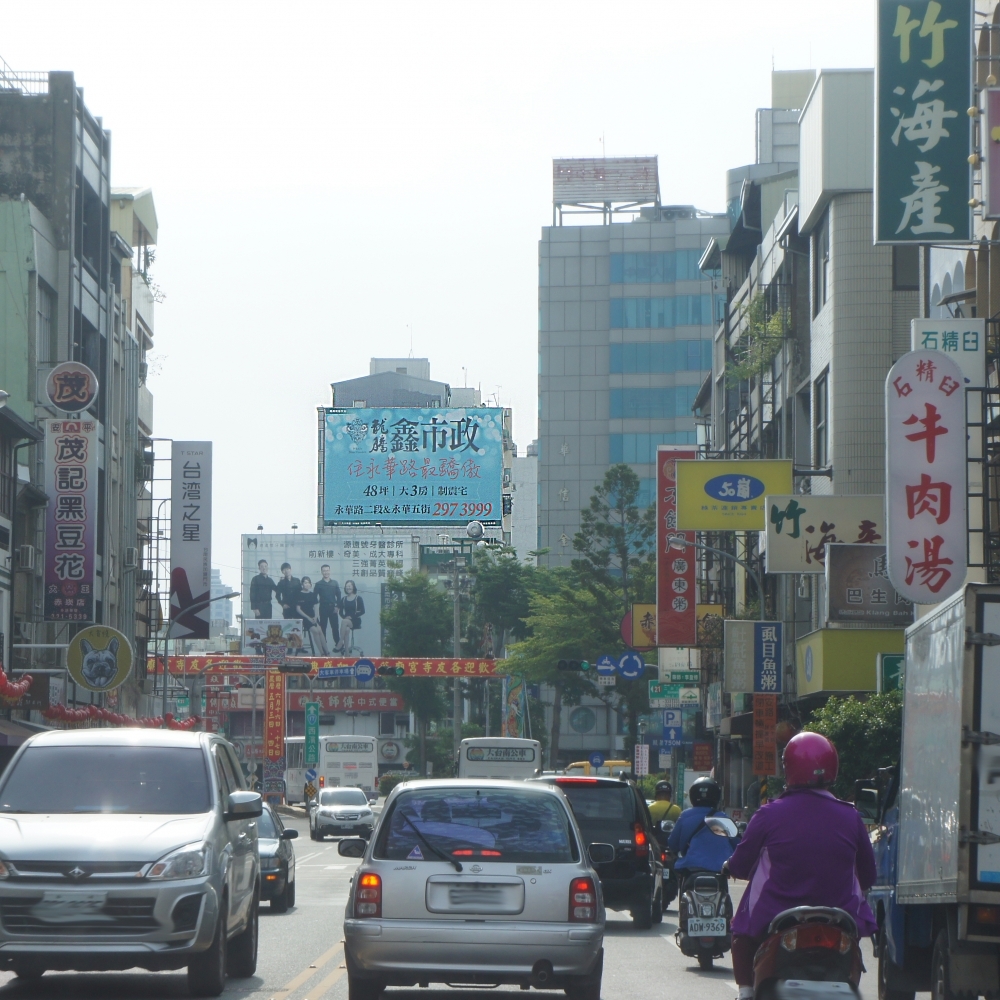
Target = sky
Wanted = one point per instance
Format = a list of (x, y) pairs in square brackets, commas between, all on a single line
[(337, 181)]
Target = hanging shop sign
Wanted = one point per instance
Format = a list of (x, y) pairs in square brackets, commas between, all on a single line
[(676, 622), (963, 340), (190, 539), (71, 387), (728, 495), (858, 588), (99, 658)]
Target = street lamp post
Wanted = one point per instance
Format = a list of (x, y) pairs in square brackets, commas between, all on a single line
[(678, 541)]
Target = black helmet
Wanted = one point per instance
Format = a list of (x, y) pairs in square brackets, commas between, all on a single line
[(664, 788), (705, 792)]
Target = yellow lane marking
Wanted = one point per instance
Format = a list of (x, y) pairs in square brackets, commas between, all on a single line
[(320, 990), (294, 984)]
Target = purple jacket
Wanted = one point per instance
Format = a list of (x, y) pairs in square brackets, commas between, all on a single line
[(806, 848)]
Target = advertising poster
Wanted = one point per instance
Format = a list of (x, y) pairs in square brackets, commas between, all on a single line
[(400, 465), (925, 444), (70, 520), (274, 715), (801, 526), (332, 586), (190, 539), (676, 621), (513, 693), (262, 635), (728, 494), (858, 588)]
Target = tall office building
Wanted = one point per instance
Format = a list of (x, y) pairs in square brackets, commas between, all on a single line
[(626, 320)]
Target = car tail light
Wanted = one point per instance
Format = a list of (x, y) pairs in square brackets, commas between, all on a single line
[(462, 852), (368, 897), (816, 936), (641, 842), (987, 915), (576, 781), (582, 901)]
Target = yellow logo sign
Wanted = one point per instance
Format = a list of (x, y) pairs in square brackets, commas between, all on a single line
[(99, 658), (728, 495)]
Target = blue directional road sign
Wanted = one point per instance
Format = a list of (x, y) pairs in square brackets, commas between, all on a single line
[(606, 666), (631, 666), (311, 774), (596, 760), (671, 737), (364, 670)]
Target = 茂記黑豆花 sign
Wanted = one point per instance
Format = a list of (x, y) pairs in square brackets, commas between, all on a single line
[(728, 495)]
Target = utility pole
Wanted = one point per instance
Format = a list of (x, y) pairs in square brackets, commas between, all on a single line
[(456, 588)]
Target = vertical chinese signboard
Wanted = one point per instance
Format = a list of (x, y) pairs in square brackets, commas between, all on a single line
[(190, 539), (767, 661), (71, 520), (923, 87), (274, 715), (765, 746), (925, 477), (312, 734), (676, 613)]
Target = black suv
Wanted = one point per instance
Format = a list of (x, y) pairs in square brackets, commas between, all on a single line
[(612, 811)]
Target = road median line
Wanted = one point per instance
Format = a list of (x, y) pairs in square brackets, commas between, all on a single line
[(306, 974)]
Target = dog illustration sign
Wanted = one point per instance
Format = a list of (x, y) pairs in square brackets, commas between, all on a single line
[(99, 658)]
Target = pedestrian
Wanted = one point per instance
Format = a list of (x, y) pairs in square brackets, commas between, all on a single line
[(261, 588), (352, 607), (329, 601)]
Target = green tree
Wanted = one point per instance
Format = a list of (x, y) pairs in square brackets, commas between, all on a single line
[(500, 598), (418, 623), (867, 734)]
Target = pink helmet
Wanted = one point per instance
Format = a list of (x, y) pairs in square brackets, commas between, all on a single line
[(810, 759)]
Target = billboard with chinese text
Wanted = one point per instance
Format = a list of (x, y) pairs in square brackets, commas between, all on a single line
[(923, 87), (858, 588), (728, 494), (190, 539), (800, 527), (71, 519), (676, 621), (963, 340), (333, 584), (401, 465)]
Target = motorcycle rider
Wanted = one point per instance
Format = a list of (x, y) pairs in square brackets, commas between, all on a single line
[(698, 848), (663, 806), (805, 848)]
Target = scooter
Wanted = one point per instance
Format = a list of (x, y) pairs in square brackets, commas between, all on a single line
[(704, 926), (809, 951), (669, 875)]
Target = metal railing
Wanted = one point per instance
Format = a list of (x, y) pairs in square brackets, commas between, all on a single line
[(28, 82)]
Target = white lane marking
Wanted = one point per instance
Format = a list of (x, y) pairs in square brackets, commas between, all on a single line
[(306, 857), (334, 868)]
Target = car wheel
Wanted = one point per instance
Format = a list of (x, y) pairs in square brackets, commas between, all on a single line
[(658, 908), (290, 894), (884, 962), (705, 962), (312, 834), (280, 903), (207, 970), (940, 972), (25, 970), (243, 947), (589, 987), (642, 916), (358, 988)]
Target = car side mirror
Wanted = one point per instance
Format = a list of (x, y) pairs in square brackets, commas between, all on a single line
[(289, 834), (601, 854), (866, 799), (243, 805), (721, 826), (352, 847)]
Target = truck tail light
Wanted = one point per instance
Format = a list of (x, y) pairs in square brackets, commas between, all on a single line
[(816, 936), (641, 841), (368, 896), (322, 781), (582, 901)]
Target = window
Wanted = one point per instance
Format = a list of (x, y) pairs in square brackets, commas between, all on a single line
[(656, 268), (646, 496), (821, 265), (6, 477), (677, 356), (821, 405), (266, 827), (640, 449), (387, 724), (295, 755), (45, 329), (343, 797), (905, 268), (653, 404), (666, 313)]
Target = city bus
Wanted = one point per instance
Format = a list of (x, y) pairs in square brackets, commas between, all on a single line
[(344, 761), (499, 757)]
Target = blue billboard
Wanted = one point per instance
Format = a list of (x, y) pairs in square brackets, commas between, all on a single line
[(403, 465)]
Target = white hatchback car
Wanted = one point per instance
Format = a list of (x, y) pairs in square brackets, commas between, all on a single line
[(477, 883)]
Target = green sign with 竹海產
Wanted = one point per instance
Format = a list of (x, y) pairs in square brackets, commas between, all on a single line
[(923, 135), (312, 734)]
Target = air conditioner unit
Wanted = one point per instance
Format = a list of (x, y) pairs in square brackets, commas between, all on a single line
[(143, 371), (26, 556), (131, 560)]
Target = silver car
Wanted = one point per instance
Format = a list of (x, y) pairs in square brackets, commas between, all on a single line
[(341, 812), (127, 847), (475, 882)]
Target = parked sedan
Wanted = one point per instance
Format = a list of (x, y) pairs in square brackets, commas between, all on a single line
[(277, 861), (475, 883), (341, 812)]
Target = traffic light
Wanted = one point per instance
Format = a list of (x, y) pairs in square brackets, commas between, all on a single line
[(584, 665), (397, 671), (295, 667), (572, 665)]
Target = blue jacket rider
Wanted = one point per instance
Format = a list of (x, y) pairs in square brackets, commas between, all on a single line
[(701, 849)]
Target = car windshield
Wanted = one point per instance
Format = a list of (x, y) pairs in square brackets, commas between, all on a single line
[(600, 804), (108, 779), (266, 829), (469, 823), (343, 797)]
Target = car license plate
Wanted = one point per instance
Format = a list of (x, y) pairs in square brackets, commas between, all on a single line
[(711, 927), (60, 907)]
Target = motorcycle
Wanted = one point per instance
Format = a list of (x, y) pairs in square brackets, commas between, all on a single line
[(809, 952), (704, 926), (669, 875)]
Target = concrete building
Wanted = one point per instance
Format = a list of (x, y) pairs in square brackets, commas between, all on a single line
[(524, 496), (71, 293), (625, 326)]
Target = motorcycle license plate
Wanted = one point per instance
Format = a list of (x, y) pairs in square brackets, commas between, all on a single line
[(710, 927), (807, 989)]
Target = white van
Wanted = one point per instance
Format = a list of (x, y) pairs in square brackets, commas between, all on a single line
[(499, 757)]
